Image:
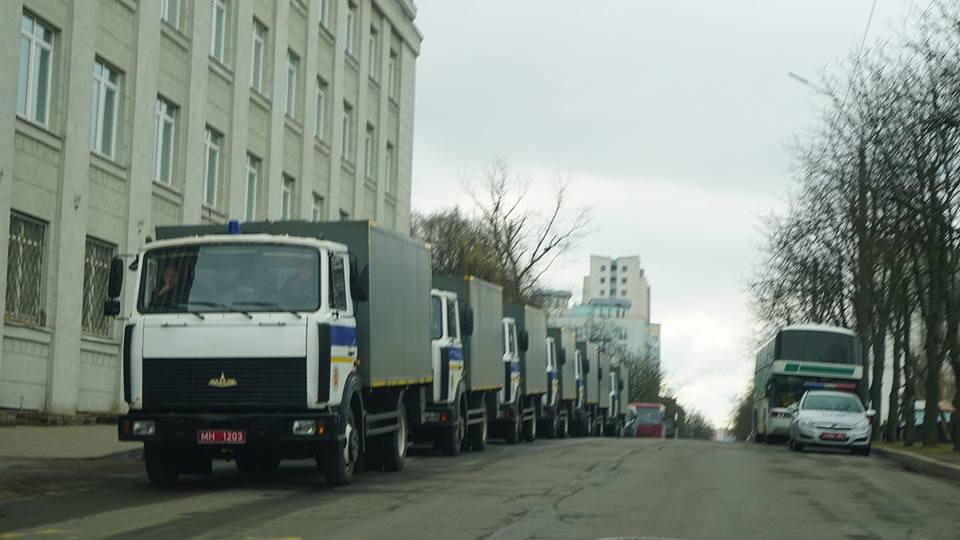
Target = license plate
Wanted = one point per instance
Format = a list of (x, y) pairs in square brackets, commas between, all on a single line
[(221, 436), (830, 436)]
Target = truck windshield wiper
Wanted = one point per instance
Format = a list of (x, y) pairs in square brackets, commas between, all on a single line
[(267, 304), (218, 305)]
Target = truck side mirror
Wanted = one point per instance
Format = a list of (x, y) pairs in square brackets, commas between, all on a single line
[(466, 321), (111, 307), (562, 357), (523, 339), (586, 366), (619, 385), (115, 284)]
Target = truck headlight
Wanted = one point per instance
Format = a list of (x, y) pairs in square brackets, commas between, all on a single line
[(431, 417), (304, 427), (144, 428), (806, 424)]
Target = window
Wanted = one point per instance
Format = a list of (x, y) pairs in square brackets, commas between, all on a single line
[(286, 198), (36, 61), (369, 153), (211, 167), (373, 54), (103, 125), (25, 269), (603, 268), (218, 30), (351, 24), (321, 108), (623, 292), (259, 44), (293, 66), (325, 13), (170, 12), (338, 282), (388, 173), (392, 74), (436, 311), (601, 293), (163, 141), (603, 280), (316, 213), (253, 181), (345, 151), (624, 269), (96, 274), (453, 322)]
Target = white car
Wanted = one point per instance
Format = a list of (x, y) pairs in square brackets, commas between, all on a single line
[(831, 419)]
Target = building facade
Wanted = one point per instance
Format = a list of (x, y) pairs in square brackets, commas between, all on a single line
[(123, 115), (618, 278), (611, 318)]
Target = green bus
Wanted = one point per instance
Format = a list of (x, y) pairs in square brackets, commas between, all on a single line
[(796, 359)]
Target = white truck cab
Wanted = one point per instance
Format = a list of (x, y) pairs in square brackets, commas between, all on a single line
[(511, 362), (552, 397), (447, 415)]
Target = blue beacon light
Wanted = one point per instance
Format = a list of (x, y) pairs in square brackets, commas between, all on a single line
[(233, 227)]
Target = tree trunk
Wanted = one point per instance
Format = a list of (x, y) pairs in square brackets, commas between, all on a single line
[(931, 412), (876, 380), (893, 416)]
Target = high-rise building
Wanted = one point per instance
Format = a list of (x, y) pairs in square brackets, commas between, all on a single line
[(618, 279), (125, 114)]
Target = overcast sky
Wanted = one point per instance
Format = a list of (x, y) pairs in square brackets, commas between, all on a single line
[(672, 121)]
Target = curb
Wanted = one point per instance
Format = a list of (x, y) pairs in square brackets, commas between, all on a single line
[(920, 464), (10, 418)]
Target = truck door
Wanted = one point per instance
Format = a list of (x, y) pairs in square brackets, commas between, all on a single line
[(344, 351), (511, 362), (454, 344)]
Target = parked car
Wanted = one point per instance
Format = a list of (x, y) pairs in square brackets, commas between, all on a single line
[(831, 419)]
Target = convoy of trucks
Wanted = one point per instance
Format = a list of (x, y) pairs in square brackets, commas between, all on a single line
[(334, 341)]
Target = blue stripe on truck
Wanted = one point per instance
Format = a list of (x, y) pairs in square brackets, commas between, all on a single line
[(345, 336)]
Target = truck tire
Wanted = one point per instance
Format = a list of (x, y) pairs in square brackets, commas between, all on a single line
[(394, 445), (552, 428), (515, 430), (530, 430), (479, 433), (339, 459), (563, 427), (453, 436), (161, 466), (586, 427)]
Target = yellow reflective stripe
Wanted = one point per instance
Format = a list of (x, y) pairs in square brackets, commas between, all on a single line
[(342, 360)]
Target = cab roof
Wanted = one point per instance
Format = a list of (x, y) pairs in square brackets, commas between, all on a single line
[(213, 239)]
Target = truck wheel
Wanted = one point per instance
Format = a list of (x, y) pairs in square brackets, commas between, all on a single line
[(530, 430), (515, 430), (479, 433), (161, 466), (339, 459), (553, 428), (563, 425), (395, 445), (587, 427), (453, 436)]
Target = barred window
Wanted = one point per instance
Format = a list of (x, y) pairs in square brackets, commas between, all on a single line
[(25, 270), (96, 274)]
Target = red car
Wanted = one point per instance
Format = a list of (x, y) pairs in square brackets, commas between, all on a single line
[(645, 420)]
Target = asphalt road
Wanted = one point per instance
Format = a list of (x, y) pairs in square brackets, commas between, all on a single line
[(574, 488)]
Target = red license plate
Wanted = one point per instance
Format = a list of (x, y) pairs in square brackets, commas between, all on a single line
[(221, 436), (830, 436)]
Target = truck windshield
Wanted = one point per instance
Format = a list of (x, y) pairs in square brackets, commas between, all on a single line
[(816, 346), (230, 278)]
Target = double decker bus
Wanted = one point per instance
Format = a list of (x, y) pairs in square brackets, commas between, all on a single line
[(796, 359)]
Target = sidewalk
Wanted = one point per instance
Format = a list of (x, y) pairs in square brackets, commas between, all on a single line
[(934, 462), (62, 442)]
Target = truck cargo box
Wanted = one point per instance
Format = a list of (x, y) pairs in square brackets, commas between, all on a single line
[(593, 389), (566, 342), (393, 324), (603, 377), (482, 351), (533, 362)]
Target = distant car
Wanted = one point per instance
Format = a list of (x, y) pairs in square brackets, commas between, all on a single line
[(831, 419), (645, 420)]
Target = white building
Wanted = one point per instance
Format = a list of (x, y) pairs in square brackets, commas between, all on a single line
[(124, 114), (618, 278)]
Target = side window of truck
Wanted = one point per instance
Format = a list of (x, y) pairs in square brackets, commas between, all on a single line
[(338, 283), (453, 322), (437, 316)]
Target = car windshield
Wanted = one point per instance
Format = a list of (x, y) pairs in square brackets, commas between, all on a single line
[(230, 278), (824, 402)]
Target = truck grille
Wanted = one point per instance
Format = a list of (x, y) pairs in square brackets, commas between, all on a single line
[(211, 384)]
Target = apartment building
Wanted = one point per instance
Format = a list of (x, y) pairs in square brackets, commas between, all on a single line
[(124, 115), (621, 279)]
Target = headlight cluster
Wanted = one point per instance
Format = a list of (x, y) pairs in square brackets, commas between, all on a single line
[(806, 423)]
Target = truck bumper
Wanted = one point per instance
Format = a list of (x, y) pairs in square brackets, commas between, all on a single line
[(439, 416), (259, 429)]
